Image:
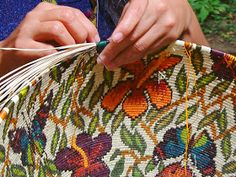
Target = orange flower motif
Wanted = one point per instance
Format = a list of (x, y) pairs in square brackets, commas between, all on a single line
[(132, 92)]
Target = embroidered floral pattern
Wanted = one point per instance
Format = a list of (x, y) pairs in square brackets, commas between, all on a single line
[(134, 89), (84, 158), (81, 120)]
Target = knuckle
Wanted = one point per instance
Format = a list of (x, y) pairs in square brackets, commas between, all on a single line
[(139, 48), (19, 42), (56, 27), (173, 36), (83, 34), (30, 15), (170, 23), (42, 4), (133, 37), (161, 7), (68, 15)]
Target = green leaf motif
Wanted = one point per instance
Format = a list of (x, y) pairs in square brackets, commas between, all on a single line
[(30, 170), (41, 172), (58, 96), (63, 142), (55, 140), (152, 114), (8, 120), (22, 97), (97, 95), (182, 117), (137, 172), (220, 88), (209, 119), (77, 120), (126, 137), (108, 77), (30, 155), (50, 166), (161, 166), (226, 147), (150, 167), (39, 147), (8, 172), (55, 74), (66, 106), (205, 80), (229, 168), (93, 124), (86, 90), (71, 79), (169, 71), (139, 143), (2, 153), (115, 155), (106, 117), (181, 81), (33, 96), (119, 168), (164, 121), (117, 121), (135, 122), (88, 67), (197, 59), (18, 170), (222, 121)]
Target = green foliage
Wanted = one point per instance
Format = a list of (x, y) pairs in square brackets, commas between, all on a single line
[(206, 8), (217, 18)]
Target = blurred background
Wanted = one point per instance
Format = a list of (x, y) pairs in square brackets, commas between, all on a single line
[(218, 21)]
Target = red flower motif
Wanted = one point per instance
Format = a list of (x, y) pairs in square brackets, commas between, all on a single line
[(175, 170), (134, 88), (224, 65), (85, 156)]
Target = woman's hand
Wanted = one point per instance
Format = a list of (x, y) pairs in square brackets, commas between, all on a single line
[(46, 26), (146, 26)]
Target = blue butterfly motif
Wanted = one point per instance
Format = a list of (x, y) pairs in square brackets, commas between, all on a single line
[(33, 140), (201, 149)]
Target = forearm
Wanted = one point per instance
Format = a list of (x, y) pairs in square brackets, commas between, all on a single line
[(194, 32)]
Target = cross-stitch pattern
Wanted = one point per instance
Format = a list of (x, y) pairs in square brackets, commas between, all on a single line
[(170, 114)]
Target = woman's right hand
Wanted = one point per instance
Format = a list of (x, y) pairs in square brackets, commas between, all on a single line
[(44, 27)]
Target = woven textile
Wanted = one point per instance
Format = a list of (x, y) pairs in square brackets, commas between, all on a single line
[(170, 114)]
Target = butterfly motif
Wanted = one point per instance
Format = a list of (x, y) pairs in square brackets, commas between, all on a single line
[(201, 150), (33, 140)]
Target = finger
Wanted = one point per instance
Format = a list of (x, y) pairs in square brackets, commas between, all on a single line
[(113, 49), (53, 31), (71, 20), (93, 35), (156, 37), (159, 44), (130, 19), (44, 6)]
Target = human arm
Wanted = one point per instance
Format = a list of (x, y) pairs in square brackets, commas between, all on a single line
[(148, 25)]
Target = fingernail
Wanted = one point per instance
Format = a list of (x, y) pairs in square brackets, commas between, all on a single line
[(97, 38), (117, 37)]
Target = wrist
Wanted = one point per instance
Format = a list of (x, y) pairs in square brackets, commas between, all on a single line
[(1, 45), (2, 62), (193, 32)]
